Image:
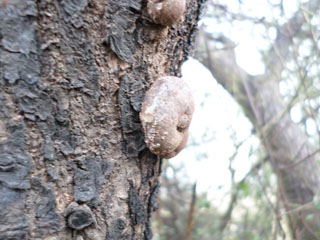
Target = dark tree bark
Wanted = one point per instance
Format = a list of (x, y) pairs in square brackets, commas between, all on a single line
[(292, 157), (73, 162)]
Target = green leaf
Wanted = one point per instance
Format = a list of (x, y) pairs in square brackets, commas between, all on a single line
[(244, 187), (257, 238), (309, 217), (204, 204)]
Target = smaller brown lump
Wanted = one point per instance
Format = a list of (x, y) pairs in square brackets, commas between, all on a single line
[(166, 12), (166, 115)]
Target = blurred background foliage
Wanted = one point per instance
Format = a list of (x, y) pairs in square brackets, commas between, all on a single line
[(268, 41)]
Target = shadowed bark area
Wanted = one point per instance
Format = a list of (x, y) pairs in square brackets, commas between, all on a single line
[(292, 157), (73, 162)]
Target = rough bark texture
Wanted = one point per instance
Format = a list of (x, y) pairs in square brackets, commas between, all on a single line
[(73, 162), (292, 156)]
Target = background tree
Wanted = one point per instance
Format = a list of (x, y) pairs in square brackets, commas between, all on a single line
[(73, 163), (278, 198), (292, 155)]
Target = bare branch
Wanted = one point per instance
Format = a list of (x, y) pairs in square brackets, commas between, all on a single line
[(278, 53), (190, 220)]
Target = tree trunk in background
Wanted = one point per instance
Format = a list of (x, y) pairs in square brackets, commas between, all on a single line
[(292, 156), (73, 163)]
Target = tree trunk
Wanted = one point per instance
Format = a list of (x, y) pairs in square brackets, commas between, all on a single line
[(292, 156), (73, 162)]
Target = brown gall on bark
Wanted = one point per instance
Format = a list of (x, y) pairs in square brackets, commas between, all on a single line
[(166, 114), (166, 12)]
